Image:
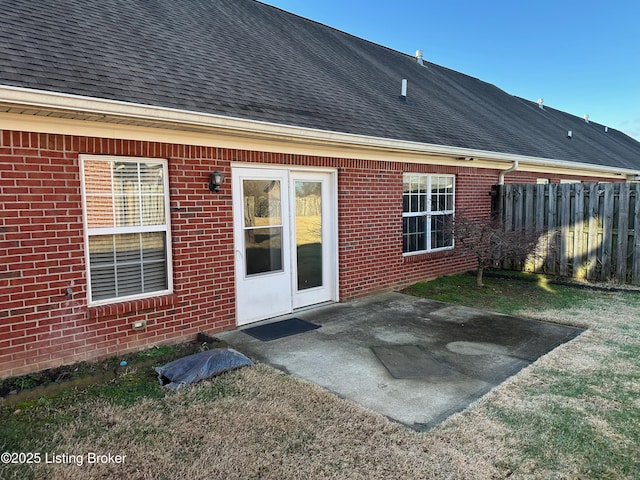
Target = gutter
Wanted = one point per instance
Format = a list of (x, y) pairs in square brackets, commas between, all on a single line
[(103, 109), (513, 168)]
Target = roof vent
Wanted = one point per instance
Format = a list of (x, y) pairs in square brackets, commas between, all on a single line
[(541, 103), (606, 129), (569, 134), (419, 57), (403, 92), (586, 118)]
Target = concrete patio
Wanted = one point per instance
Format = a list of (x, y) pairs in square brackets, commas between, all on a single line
[(415, 360)]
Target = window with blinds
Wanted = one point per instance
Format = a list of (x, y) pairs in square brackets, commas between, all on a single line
[(126, 205)]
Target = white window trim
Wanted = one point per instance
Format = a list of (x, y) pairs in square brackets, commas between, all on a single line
[(115, 230), (428, 213)]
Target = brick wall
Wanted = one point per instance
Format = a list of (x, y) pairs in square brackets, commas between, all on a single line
[(42, 245), (42, 251)]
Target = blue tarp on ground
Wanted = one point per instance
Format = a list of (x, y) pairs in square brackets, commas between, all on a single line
[(200, 366)]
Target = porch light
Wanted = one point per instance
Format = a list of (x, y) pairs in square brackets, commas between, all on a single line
[(215, 180)]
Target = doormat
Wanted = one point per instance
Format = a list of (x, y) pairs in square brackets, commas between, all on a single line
[(281, 329)]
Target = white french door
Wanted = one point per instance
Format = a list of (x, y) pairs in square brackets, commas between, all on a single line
[(285, 240)]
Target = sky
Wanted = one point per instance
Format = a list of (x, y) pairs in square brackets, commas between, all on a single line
[(580, 56)]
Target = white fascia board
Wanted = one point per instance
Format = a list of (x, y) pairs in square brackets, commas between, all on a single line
[(96, 106)]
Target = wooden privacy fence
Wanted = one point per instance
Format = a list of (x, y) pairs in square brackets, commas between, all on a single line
[(586, 230)]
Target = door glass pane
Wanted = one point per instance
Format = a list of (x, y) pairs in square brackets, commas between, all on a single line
[(262, 206), (262, 225), (309, 233), (263, 247)]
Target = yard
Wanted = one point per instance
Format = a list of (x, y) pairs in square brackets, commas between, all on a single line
[(575, 413)]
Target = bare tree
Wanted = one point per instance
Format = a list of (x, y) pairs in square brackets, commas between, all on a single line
[(490, 244)]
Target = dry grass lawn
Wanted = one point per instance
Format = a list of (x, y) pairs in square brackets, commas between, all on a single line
[(573, 414)]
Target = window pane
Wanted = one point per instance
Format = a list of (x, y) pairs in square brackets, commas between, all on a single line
[(136, 191), (151, 174), (263, 250), (153, 247), (129, 280), (406, 183), (414, 184), (128, 248), (128, 264), (99, 211), (99, 201), (125, 178), (422, 184), (441, 235), (261, 203), (97, 177), (414, 203), (155, 277), (126, 190), (422, 203), (308, 233), (154, 262), (153, 210), (102, 266), (152, 194), (434, 202), (449, 202), (414, 235), (103, 284), (127, 203)]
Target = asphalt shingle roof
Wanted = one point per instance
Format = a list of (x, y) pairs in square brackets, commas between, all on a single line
[(248, 60)]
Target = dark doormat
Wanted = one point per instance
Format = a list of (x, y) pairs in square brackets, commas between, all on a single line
[(281, 329)]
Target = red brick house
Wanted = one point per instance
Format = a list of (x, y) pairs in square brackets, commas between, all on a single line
[(341, 161)]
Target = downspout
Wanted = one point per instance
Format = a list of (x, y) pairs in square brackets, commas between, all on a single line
[(508, 170)]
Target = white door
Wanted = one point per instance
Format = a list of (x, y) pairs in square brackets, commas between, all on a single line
[(285, 242), (313, 238)]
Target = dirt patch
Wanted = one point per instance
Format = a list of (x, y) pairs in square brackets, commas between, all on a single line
[(81, 374)]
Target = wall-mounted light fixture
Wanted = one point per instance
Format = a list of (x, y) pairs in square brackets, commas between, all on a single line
[(215, 180)]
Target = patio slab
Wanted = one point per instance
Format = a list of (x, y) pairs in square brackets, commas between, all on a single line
[(415, 360)]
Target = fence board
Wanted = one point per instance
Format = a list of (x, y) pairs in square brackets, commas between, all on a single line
[(552, 240), (636, 238), (578, 232), (586, 230), (529, 194), (592, 235), (607, 231), (564, 208), (623, 235), (541, 251)]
